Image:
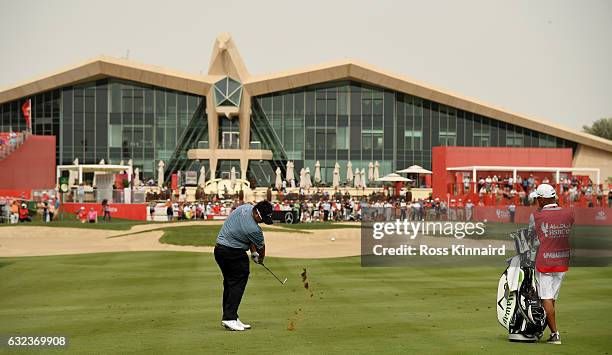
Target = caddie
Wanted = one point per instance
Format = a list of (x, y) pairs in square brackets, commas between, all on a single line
[(552, 225)]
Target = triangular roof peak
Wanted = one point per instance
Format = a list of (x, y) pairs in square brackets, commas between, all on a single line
[(226, 59)]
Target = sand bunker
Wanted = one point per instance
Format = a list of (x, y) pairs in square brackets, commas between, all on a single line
[(37, 241)]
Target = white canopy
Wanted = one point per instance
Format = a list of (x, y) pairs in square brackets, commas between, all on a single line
[(371, 171), (88, 168), (414, 169), (393, 177)]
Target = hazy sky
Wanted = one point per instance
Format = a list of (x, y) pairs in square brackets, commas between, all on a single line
[(548, 59)]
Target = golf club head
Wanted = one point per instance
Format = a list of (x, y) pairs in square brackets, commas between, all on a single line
[(284, 281)]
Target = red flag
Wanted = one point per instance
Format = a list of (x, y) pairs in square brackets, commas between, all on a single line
[(27, 110)]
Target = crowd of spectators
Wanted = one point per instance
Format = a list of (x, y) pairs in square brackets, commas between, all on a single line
[(20, 210), (8, 142), (494, 191)]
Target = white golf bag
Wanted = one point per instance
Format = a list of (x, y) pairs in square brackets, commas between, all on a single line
[(519, 308)]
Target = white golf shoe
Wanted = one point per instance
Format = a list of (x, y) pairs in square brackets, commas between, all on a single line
[(245, 326), (232, 325)]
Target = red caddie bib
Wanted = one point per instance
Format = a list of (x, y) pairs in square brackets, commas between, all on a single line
[(553, 227)]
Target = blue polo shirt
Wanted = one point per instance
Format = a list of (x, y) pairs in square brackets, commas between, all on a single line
[(240, 230)]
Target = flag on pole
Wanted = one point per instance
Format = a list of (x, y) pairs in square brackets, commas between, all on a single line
[(27, 111)]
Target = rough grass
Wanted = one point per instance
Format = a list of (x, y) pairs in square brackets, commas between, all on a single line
[(170, 302)]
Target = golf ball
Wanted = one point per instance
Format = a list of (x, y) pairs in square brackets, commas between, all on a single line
[(332, 239)]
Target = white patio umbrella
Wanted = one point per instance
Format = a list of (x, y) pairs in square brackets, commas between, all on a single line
[(160, 173), (121, 162), (317, 174), (393, 177), (370, 171), (202, 178), (233, 177), (414, 169), (376, 173), (278, 183), (136, 177), (102, 162), (303, 178), (290, 174), (364, 184), (336, 177), (357, 179), (349, 172), (307, 178)]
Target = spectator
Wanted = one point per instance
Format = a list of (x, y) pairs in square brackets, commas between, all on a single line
[(92, 215), (106, 210), (469, 208)]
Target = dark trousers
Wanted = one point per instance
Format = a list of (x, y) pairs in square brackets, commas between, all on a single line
[(234, 265)]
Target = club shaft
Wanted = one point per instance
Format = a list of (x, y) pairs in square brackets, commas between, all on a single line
[(279, 280)]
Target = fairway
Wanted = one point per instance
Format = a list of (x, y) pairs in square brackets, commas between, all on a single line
[(170, 302)]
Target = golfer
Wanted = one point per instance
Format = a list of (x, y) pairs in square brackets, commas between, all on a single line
[(240, 232), (552, 226)]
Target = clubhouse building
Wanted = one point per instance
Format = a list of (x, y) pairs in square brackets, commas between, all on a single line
[(342, 111)]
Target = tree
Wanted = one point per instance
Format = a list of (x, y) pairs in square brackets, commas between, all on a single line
[(601, 128)]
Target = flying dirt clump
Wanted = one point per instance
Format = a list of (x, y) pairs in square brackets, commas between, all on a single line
[(299, 313), (305, 279), (304, 275)]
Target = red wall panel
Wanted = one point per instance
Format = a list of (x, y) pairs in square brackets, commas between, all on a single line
[(137, 212), (31, 166)]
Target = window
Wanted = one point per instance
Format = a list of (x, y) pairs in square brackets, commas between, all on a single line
[(514, 139), (342, 137), (228, 92), (448, 138), (546, 141), (413, 140)]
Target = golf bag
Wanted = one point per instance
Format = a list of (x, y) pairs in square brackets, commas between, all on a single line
[(519, 308)]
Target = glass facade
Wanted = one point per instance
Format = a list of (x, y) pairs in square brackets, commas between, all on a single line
[(112, 120), (342, 121)]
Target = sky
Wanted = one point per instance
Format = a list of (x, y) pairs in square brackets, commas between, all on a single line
[(547, 59)]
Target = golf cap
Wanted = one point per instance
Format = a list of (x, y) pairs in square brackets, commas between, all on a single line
[(545, 191), (265, 211)]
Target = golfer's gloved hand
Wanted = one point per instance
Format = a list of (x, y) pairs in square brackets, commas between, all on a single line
[(255, 257)]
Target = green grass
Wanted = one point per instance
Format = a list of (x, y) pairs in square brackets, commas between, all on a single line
[(191, 235), (70, 221), (169, 302), (204, 235)]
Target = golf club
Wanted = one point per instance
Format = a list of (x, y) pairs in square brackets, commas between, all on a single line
[(279, 280)]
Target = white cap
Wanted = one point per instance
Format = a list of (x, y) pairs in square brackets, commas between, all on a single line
[(545, 191)]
